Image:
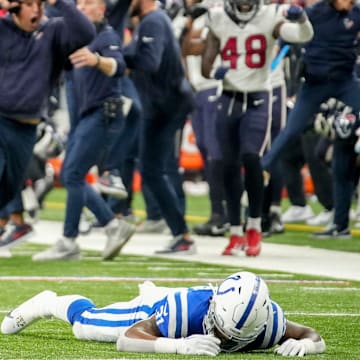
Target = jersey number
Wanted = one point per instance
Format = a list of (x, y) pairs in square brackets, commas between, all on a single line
[(255, 47)]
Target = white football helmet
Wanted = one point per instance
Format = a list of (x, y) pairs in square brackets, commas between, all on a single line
[(238, 311)]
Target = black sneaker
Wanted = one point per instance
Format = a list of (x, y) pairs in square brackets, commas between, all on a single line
[(276, 225), (16, 235), (215, 226), (333, 232), (179, 245)]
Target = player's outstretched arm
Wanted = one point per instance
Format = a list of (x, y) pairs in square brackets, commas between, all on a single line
[(296, 28), (145, 336), (300, 340)]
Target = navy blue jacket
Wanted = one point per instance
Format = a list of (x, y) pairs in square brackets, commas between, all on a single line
[(91, 85), (155, 56), (116, 14), (30, 63), (332, 51)]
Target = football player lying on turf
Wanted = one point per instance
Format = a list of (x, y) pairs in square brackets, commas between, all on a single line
[(238, 315)]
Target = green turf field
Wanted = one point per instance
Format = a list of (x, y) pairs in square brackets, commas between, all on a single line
[(332, 307)]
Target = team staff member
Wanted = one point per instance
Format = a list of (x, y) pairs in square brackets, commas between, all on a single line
[(329, 72), (96, 74), (167, 99), (32, 54)]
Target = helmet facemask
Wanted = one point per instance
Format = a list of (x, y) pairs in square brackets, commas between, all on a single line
[(242, 11)]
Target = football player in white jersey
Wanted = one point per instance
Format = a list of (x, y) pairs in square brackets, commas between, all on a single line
[(244, 33), (238, 315)]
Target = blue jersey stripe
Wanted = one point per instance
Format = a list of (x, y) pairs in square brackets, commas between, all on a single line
[(106, 323), (250, 305), (143, 308), (178, 315), (275, 324)]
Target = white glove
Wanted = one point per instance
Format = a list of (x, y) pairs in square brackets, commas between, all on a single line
[(293, 347), (198, 345), (324, 126)]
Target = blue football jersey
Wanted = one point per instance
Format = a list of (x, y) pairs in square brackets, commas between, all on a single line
[(181, 314)]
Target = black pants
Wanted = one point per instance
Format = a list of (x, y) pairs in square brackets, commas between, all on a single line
[(296, 155)]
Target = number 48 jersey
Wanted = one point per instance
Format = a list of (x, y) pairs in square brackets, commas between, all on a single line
[(247, 50), (181, 314)]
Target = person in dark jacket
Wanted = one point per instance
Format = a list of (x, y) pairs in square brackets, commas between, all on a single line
[(96, 121), (155, 58), (329, 62), (32, 54)]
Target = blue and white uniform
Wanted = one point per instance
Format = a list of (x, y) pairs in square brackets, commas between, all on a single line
[(179, 313)]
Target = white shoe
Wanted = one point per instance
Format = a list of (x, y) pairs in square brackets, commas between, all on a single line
[(117, 236), (297, 214), (113, 185), (63, 249), (85, 223), (153, 227), (29, 311), (324, 218)]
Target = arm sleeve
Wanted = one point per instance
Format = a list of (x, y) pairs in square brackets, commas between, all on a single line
[(159, 345), (148, 50), (297, 32), (75, 30), (112, 48)]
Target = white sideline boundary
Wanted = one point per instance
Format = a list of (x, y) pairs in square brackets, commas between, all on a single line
[(276, 257)]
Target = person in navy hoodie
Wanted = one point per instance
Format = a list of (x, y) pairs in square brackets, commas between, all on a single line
[(95, 122), (154, 57), (33, 51), (329, 61)]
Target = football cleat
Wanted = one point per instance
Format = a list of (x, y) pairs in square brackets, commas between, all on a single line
[(253, 246), (215, 226), (236, 243), (179, 245), (16, 234), (276, 224), (28, 312), (333, 232)]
